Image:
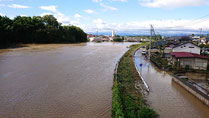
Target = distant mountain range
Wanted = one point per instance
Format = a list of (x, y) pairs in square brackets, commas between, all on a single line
[(146, 32)]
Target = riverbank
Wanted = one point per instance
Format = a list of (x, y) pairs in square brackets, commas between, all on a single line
[(128, 101), (36, 47), (195, 89), (15, 46)]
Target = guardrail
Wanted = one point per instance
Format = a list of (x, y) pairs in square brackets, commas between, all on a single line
[(143, 80)]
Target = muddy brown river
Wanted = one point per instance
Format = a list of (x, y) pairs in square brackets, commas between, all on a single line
[(58, 81), (75, 81), (166, 97)]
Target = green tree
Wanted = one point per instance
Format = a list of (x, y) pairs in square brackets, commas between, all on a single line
[(50, 21), (37, 29)]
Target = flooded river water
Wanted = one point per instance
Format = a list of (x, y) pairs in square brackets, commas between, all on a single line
[(58, 81), (166, 97)]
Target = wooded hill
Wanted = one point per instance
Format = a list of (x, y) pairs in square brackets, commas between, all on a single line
[(37, 29)]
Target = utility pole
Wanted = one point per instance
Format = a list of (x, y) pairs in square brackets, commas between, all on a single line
[(97, 32), (200, 31), (152, 32), (150, 45)]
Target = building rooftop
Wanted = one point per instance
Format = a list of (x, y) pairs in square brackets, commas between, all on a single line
[(184, 44), (188, 55)]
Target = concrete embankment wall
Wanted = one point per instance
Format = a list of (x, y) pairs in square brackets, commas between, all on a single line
[(194, 91)]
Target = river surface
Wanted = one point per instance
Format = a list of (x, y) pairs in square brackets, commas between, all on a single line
[(58, 81), (166, 97)]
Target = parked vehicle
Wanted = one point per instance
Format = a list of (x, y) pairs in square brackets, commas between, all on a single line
[(143, 52)]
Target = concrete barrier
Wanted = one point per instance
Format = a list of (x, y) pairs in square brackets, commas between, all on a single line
[(143, 80), (194, 91)]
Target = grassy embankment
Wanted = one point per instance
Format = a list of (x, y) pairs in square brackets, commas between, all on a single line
[(126, 101)]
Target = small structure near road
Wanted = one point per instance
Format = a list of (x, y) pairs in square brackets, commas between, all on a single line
[(192, 60)]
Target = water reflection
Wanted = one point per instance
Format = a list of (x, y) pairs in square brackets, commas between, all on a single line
[(63, 80)]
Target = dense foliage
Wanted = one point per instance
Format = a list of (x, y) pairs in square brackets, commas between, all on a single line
[(117, 109), (118, 39), (127, 103), (204, 45), (37, 29), (159, 61)]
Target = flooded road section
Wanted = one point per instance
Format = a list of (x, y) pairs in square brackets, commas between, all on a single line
[(166, 97), (58, 81)]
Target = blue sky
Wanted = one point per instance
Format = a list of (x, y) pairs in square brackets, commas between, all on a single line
[(131, 16)]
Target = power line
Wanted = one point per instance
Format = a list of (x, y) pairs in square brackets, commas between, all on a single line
[(194, 21)]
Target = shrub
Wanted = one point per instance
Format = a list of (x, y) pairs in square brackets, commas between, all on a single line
[(208, 67), (118, 39), (186, 67), (117, 109), (146, 112)]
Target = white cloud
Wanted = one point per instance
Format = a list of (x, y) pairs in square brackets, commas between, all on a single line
[(65, 20), (89, 11), (77, 16), (169, 4), (97, 0), (18, 6), (165, 26), (43, 14), (106, 7), (120, 0), (49, 8), (2, 14), (62, 18), (99, 23), (23, 15), (110, 0), (56, 13)]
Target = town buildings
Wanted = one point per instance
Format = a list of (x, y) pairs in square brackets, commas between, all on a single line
[(192, 60), (187, 47), (182, 51)]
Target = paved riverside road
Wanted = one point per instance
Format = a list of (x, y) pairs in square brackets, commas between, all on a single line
[(166, 97)]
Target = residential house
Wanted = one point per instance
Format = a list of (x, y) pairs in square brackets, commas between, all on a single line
[(167, 52), (178, 39), (204, 40), (159, 43), (205, 50), (194, 61), (185, 39), (154, 51), (168, 49), (196, 37), (96, 39), (172, 39), (187, 47), (143, 39), (132, 39)]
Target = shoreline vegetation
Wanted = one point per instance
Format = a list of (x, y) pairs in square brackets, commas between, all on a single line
[(127, 102), (37, 30)]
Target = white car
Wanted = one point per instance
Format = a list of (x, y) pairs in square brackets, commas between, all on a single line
[(143, 52)]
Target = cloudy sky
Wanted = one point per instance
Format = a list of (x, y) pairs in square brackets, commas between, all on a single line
[(132, 16)]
